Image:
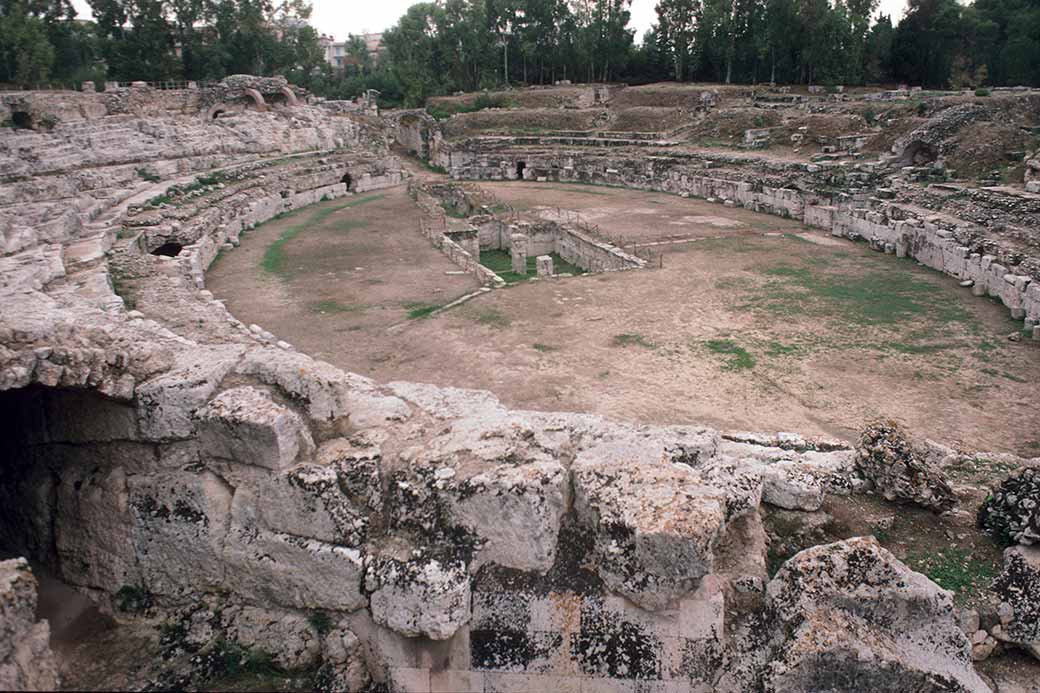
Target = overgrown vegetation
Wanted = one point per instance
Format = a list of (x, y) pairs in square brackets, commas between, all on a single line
[(739, 358), (331, 305), (501, 263), (418, 310), (955, 569), (148, 175), (133, 599), (445, 109), (275, 261)]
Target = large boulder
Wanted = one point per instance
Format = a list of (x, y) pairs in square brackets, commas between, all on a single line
[(849, 616), (1018, 587), (1011, 514), (420, 596), (900, 471)]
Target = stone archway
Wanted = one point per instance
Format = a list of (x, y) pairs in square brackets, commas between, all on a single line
[(257, 97), (918, 153), (290, 97), (215, 111)]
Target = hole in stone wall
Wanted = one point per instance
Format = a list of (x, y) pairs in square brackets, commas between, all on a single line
[(61, 487), (217, 114), (168, 249), (918, 153), (520, 166), (347, 180), (21, 119)]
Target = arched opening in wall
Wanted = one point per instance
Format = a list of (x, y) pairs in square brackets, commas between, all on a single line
[(521, 166), (21, 120), (918, 153), (63, 490), (168, 249), (217, 113), (348, 181)]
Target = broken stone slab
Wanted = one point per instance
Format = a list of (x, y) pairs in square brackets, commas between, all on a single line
[(835, 603), (1018, 587), (528, 503), (899, 470), (244, 425), (421, 596), (1011, 514), (656, 524)]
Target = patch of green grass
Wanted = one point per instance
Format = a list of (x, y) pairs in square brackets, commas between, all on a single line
[(331, 305), (492, 317), (739, 358), (796, 237), (632, 339), (543, 348), (883, 296), (148, 175), (776, 348), (904, 348), (417, 310), (501, 263), (275, 261), (955, 569), (453, 211)]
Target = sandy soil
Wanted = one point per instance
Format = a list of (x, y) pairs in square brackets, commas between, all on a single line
[(759, 325)]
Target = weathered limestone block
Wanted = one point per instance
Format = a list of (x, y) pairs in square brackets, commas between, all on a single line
[(787, 485), (656, 525), (518, 252), (311, 500), (26, 660), (423, 596), (166, 403), (545, 266), (245, 426), (289, 570), (1018, 587), (849, 615), (528, 503), (289, 637), (901, 471), (1011, 514), (343, 667), (93, 528), (328, 392), (180, 524)]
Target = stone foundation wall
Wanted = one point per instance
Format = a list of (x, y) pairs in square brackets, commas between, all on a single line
[(939, 243)]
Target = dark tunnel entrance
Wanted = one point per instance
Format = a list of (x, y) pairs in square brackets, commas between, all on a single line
[(347, 180), (521, 166), (169, 249)]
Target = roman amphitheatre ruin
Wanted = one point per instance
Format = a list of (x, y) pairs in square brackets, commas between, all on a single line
[(659, 388)]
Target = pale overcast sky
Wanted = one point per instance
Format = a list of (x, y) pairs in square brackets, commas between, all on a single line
[(342, 17)]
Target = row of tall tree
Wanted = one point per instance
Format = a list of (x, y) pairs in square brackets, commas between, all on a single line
[(450, 45), (41, 41)]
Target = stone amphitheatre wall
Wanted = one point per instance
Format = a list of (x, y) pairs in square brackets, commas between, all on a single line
[(163, 458), (956, 247)]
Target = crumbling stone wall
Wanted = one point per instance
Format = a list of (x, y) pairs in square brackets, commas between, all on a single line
[(949, 245)]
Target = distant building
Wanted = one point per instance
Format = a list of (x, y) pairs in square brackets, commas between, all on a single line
[(337, 56)]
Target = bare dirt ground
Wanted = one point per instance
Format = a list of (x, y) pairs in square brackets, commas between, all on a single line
[(333, 277), (760, 325)]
